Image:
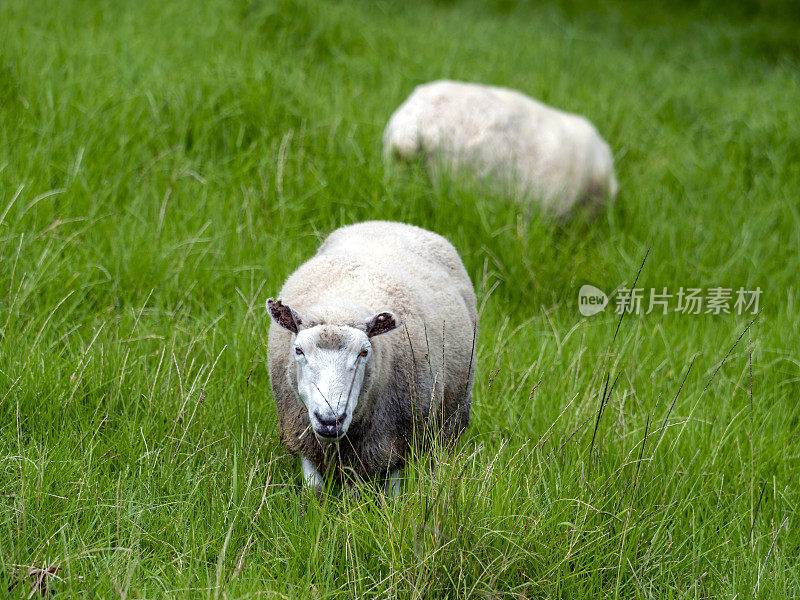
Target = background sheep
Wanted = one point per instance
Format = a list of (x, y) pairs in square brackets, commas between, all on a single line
[(374, 346), (499, 134)]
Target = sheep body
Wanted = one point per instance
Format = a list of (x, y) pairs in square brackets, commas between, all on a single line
[(501, 135), (419, 380)]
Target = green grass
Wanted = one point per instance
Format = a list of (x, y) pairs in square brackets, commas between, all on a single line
[(164, 167)]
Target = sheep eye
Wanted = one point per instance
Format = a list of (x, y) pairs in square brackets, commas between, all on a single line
[(298, 351), (363, 353)]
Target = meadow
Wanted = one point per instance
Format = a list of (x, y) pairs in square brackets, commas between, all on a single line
[(165, 165)]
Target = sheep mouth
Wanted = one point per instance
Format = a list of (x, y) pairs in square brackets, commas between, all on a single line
[(328, 437), (330, 432)]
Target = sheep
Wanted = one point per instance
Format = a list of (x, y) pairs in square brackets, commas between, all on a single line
[(498, 134), (372, 348)]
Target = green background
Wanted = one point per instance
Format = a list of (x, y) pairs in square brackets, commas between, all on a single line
[(165, 165)]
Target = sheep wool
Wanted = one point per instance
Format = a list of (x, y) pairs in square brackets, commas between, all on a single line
[(500, 135), (396, 302)]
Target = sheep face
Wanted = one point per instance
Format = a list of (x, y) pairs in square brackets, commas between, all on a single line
[(331, 362), (330, 366)]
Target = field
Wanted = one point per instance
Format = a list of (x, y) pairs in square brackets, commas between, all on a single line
[(164, 167)]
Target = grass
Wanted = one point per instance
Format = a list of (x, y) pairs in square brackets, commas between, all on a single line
[(164, 167)]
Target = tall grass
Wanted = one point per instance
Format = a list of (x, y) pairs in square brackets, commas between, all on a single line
[(164, 167)]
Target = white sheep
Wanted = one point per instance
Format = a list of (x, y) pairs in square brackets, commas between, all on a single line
[(372, 349), (501, 135)]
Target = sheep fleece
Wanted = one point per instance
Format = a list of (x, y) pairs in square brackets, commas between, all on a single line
[(423, 381), (502, 135)]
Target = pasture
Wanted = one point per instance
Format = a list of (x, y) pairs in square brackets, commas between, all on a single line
[(164, 167)]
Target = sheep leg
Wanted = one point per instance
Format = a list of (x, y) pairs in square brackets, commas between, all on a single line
[(311, 475), (393, 482)]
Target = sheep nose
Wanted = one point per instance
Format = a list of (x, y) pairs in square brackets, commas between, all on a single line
[(329, 427)]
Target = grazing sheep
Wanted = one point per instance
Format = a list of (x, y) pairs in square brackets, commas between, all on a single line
[(499, 134), (372, 349)]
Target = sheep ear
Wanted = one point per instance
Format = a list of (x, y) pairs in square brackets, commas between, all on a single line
[(382, 323), (284, 315)]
